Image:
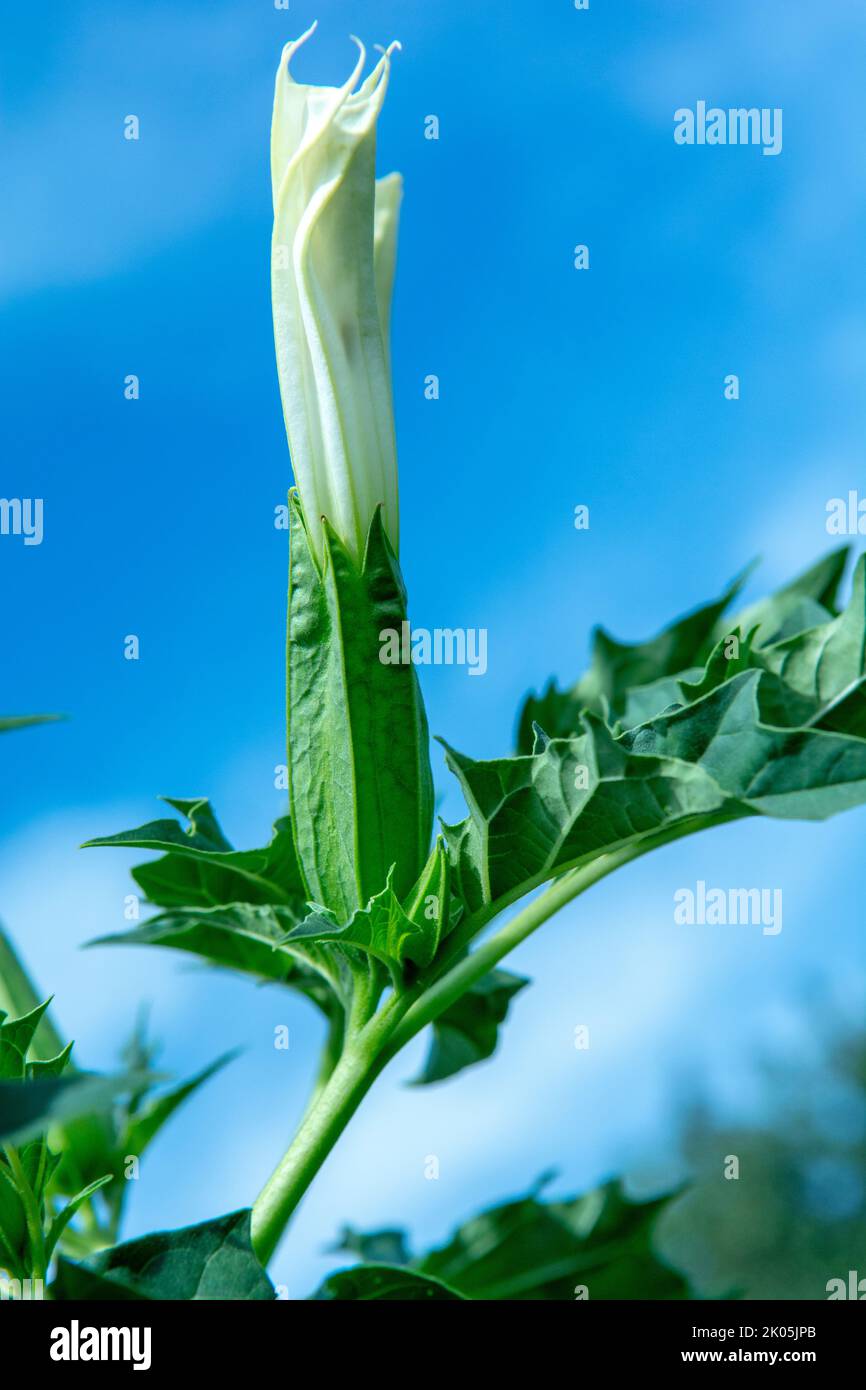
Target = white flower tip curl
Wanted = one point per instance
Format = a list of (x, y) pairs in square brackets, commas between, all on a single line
[(291, 48)]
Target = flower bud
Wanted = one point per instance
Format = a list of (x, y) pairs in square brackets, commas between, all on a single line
[(333, 257)]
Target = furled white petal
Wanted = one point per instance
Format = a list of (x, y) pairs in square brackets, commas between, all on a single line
[(331, 297), (389, 195)]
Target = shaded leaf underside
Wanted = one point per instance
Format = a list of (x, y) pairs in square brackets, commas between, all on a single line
[(599, 1246), (212, 1260), (771, 731)]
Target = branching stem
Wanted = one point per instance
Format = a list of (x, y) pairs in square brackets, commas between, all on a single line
[(374, 1041)]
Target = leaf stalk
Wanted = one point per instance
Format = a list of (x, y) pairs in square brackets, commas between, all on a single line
[(372, 1042)]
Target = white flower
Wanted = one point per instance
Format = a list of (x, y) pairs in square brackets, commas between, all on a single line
[(333, 257)]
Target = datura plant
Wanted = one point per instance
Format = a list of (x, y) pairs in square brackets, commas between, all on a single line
[(390, 929)]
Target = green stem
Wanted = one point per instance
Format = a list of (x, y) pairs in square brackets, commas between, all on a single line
[(368, 1052), (354, 1074), (446, 990), (38, 1262), (434, 998), (372, 1043), (328, 1061)]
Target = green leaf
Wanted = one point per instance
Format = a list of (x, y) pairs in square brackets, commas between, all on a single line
[(52, 1066), (20, 1031), (202, 836), (361, 789), (212, 1260), (779, 617), (429, 903), (599, 1246), (12, 1064), (806, 774), (29, 1108), (88, 1147), (24, 721), (633, 683), (240, 936), (145, 1124), (63, 1218), (817, 674), (617, 667), (530, 1249), (96, 1144), (381, 929), (373, 1247), (533, 817), (723, 663), (139, 1052), (808, 600), (716, 758), (88, 1143), (646, 701), (38, 1164), (468, 1031), (821, 581), (203, 824), (200, 868), (826, 665), (18, 996), (269, 875), (382, 1282), (13, 1221)]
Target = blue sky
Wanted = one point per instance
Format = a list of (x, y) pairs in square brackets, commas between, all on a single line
[(558, 387)]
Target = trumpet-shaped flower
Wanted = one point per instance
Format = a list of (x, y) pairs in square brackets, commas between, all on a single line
[(333, 258)]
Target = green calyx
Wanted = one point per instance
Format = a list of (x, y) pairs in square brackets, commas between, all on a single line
[(360, 785)]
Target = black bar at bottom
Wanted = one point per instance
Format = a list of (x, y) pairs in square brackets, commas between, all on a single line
[(66, 1339)]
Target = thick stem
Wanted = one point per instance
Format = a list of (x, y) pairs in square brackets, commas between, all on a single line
[(370, 1049), (368, 1052), (331, 1052), (354, 1074), (448, 987)]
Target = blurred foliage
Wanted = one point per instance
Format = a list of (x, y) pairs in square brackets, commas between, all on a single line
[(98, 1126), (796, 1215), (598, 1246), (793, 1218)]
